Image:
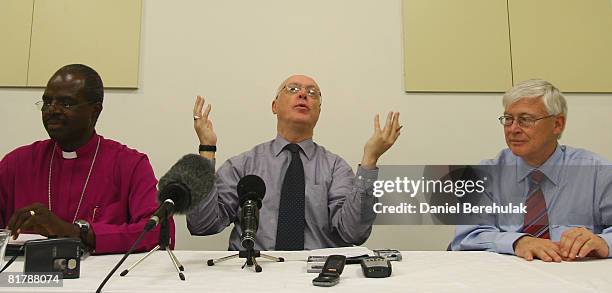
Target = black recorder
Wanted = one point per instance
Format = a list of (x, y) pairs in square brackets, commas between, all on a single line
[(57, 255), (376, 267)]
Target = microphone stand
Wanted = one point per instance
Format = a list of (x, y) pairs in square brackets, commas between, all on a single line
[(163, 244), (250, 255), (125, 256)]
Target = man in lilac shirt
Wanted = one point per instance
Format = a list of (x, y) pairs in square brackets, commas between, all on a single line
[(574, 186), (336, 204), (78, 183)]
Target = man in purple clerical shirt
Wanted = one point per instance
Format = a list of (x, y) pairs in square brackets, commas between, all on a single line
[(78, 183)]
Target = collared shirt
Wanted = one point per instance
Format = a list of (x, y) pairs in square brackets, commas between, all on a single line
[(338, 204), (577, 188), (118, 200)]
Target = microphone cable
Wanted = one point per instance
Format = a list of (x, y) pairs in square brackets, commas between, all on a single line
[(125, 256), (13, 258)]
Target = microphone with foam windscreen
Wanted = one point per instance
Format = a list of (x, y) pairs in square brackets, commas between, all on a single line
[(182, 187), (251, 190), (179, 190)]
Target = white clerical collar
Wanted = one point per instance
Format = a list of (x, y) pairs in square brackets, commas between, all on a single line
[(69, 155)]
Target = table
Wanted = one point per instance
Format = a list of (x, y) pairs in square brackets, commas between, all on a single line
[(420, 271)]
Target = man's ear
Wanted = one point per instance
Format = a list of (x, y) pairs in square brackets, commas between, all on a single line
[(97, 109), (559, 124), (274, 107)]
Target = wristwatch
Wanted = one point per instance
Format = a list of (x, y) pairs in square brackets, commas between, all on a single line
[(207, 148), (84, 228)]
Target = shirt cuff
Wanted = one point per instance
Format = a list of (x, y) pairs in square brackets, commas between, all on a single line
[(505, 243), (608, 239), (364, 181), (367, 174)]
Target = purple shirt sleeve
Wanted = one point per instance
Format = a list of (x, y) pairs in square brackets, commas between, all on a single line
[(140, 190), (6, 188)]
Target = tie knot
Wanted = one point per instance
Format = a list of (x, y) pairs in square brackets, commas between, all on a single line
[(536, 176), (292, 147)]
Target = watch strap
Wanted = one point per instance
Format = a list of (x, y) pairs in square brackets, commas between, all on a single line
[(208, 148)]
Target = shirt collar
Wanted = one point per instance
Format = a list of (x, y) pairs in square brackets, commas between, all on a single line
[(279, 143), (551, 168), (88, 148)]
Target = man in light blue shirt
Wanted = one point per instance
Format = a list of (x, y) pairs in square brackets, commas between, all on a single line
[(574, 186)]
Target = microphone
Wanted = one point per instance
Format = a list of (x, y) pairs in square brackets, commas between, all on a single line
[(179, 190), (251, 190), (182, 187)]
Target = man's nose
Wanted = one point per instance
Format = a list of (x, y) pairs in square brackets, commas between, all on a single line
[(303, 94), (514, 127), (53, 107)]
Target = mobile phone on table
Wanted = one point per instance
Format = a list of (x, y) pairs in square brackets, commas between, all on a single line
[(330, 275)]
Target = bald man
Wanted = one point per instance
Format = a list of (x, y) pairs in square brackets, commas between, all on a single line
[(313, 199)]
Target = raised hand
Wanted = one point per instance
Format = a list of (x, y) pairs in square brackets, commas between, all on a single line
[(202, 124), (381, 140)]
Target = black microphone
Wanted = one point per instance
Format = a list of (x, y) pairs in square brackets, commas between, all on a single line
[(251, 190), (182, 187)]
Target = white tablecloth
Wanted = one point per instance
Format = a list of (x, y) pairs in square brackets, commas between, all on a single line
[(418, 272)]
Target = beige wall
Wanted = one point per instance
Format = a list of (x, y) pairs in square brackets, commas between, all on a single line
[(236, 52)]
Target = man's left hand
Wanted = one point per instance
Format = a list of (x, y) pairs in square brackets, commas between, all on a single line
[(581, 242), (381, 140)]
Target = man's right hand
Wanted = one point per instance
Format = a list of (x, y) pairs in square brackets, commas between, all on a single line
[(39, 219), (204, 126), (529, 247)]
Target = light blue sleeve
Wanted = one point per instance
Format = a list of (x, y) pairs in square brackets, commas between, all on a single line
[(487, 238), (350, 201), (219, 209), (606, 235), (604, 186)]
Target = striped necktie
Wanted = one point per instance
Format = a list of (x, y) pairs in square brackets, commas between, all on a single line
[(291, 210), (536, 219)]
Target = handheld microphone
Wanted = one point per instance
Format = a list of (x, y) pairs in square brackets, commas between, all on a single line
[(182, 187), (251, 190)]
